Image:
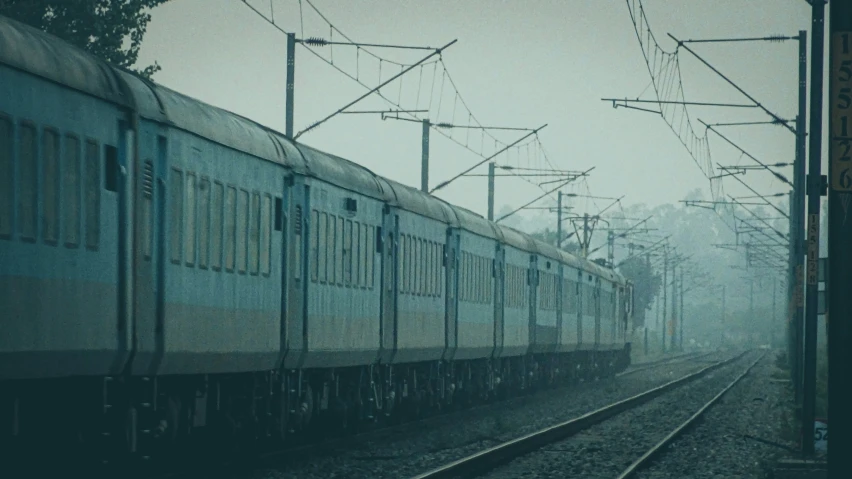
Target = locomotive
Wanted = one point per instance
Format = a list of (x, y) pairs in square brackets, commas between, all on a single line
[(169, 269)]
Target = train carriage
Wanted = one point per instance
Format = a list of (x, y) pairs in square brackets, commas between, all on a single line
[(167, 266)]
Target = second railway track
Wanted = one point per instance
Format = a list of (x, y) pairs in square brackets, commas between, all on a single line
[(554, 458)]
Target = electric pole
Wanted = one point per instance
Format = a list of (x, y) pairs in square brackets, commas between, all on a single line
[(559, 219), (665, 287), (722, 335), (682, 315), (839, 238), (490, 191), (673, 325), (797, 218), (815, 186), (291, 83), (424, 163)]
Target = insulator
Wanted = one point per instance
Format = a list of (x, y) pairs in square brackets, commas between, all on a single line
[(443, 125), (777, 38), (316, 41)]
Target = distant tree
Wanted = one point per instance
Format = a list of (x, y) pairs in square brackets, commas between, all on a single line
[(646, 285), (102, 27)]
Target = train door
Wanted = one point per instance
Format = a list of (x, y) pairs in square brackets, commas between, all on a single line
[(596, 298), (532, 281), (151, 177), (560, 294), (387, 245), (581, 303), (292, 219), (498, 269), (451, 267)]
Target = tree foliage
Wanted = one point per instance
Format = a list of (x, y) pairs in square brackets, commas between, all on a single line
[(110, 29), (646, 285)]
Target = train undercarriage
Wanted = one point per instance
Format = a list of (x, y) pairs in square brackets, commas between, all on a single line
[(116, 420)]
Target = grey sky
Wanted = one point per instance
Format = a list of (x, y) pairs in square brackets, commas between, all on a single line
[(517, 63)]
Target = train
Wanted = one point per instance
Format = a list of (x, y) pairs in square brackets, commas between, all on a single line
[(170, 270)]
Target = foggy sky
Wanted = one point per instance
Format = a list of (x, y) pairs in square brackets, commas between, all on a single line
[(517, 63)]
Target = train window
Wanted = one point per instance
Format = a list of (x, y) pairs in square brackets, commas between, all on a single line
[(421, 287), (314, 246), (322, 246), (265, 233), (177, 214), (403, 264), (356, 254), (254, 233), (50, 185), (347, 253), (203, 222), (28, 182), (6, 179), (338, 252), (370, 256), (92, 198), (468, 279), (330, 248), (216, 209), (366, 250), (230, 225), (71, 192), (439, 271), (242, 229), (279, 214), (430, 271), (189, 220), (111, 168)]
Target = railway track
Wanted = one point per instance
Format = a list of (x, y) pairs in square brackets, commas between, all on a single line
[(647, 458), (662, 362), (488, 459), (316, 451)]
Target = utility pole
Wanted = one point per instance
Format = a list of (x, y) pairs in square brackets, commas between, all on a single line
[(815, 184), (424, 164), (585, 235), (797, 218), (490, 191), (559, 219), (657, 301), (291, 83), (665, 286), (645, 324), (839, 238), (673, 326), (751, 304), (774, 316), (682, 315), (722, 335), (610, 252)]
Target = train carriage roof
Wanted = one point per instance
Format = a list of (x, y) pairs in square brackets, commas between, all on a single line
[(474, 223), (340, 172), (34, 51), (416, 201)]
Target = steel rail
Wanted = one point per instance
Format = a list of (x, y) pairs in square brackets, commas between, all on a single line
[(660, 362), (487, 459), (646, 458)]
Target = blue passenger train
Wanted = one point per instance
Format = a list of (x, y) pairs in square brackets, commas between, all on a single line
[(169, 268)]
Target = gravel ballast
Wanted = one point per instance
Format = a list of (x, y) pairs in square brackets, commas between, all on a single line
[(731, 440), (436, 441), (606, 449)]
